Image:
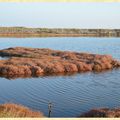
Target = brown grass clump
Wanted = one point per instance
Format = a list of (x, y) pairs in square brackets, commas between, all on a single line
[(14, 110), (36, 62), (102, 112)]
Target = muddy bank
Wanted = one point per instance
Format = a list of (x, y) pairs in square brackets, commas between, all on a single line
[(37, 62), (102, 112), (11, 110)]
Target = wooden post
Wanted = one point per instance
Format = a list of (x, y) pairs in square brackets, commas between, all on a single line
[(49, 109)]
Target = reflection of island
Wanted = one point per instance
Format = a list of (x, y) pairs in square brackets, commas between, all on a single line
[(57, 32), (37, 62)]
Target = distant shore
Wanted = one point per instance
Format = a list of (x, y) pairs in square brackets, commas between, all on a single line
[(57, 32)]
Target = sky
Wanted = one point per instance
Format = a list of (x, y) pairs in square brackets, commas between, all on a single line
[(60, 15)]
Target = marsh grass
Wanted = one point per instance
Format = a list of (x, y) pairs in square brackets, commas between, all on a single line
[(11, 110)]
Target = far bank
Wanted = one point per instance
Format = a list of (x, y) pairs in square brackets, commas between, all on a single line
[(57, 32)]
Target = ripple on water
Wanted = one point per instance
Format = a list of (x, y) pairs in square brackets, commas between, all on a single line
[(70, 95)]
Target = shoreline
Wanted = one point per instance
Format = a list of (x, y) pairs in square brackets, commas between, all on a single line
[(19, 35), (12, 110)]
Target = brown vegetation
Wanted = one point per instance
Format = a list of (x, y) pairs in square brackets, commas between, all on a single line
[(37, 62), (14, 110), (102, 112)]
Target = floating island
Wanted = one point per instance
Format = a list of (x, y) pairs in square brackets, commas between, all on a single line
[(21, 61)]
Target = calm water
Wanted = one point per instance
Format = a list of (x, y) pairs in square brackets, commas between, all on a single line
[(70, 95)]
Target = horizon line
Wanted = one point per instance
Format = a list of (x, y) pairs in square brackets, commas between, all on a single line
[(52, 27)]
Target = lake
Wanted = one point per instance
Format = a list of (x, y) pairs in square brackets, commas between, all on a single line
[(70, 95)]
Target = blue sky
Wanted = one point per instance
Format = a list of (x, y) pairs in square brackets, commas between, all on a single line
[(60, 15)]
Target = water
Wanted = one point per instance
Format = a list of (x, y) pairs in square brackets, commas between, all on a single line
[(73, 94), (3, 58)]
